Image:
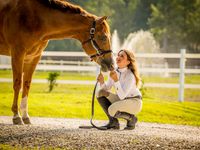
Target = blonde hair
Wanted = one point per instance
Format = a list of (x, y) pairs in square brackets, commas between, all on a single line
[(133, 66)]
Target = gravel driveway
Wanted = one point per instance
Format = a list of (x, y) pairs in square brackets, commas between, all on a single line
[(50, 133)]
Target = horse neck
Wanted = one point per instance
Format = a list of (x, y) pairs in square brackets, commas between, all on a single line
[(59, 25)]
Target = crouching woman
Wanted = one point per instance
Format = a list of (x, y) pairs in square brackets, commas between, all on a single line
[(127, 102)]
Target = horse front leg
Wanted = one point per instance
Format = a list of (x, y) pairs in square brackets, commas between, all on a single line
[(27, 78), (17, 66), (30, 62)]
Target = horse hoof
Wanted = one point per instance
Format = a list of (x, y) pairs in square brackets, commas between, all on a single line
[(26, 120), (17, 121)]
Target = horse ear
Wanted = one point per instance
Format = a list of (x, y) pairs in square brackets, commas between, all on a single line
[(101, 19)]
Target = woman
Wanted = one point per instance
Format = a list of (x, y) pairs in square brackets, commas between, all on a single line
[(127, 101)]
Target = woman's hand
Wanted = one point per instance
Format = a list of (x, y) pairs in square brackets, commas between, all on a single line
[(113, 75), (100, 78)]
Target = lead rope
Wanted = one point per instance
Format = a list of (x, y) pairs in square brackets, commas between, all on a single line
[(92, 113), (92, 110)]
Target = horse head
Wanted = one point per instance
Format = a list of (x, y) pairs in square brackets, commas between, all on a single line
[(98, 45)]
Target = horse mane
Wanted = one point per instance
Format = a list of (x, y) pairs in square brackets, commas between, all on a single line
[(63, 6)]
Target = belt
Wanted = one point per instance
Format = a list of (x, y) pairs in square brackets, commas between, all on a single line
[(138, 96)]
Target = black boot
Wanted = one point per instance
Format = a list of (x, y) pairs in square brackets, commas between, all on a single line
[(113, 122), (131, 119)]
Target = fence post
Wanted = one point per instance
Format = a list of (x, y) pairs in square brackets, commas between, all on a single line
[(167, 69), (182, 75), (98, 69), (61, 64)]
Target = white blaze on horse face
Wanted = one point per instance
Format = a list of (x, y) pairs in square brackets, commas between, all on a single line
[(24, 107)]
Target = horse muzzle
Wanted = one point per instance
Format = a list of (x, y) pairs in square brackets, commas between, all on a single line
[(107, 64)]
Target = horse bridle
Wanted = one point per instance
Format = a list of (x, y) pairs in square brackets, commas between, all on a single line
[(99, 51)]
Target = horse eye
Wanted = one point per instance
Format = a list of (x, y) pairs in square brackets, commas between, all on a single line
[(104, 38)]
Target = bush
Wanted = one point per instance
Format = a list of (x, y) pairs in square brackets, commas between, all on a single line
[(52, 80)]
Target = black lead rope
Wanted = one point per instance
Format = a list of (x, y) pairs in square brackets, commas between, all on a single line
[(92, 113)]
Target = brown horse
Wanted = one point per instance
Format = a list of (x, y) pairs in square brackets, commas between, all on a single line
[(26, 26)]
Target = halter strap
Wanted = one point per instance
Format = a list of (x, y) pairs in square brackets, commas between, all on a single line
[(102, 53), (99, 51)]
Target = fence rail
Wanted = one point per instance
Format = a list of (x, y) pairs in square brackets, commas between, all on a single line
[(60, 65), (140, 55), (70, 67), (87, 82), (55, 65)]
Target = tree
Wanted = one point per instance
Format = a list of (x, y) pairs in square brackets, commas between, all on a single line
[(193, 28), (130, 16), (122, 19), (175, 23)]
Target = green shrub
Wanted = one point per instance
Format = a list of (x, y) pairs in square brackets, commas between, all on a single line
[(52, 80)]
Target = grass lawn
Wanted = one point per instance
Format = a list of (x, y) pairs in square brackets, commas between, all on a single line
[(62, 76), (191, 79), (74, 101)]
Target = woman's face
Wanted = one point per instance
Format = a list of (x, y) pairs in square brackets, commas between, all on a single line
[(122, 60)]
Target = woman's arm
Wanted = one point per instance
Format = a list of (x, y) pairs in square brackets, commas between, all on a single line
[(105, 85), (108, 85)]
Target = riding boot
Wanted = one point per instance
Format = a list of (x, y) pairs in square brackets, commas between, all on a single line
[(131, 119), (113, 122)]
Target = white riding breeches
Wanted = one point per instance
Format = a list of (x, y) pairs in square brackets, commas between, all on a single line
[(131, 105)]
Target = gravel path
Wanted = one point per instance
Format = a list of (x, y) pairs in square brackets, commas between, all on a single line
[(48, 133)]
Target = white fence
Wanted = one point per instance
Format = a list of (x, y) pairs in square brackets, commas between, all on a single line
[(60, 65)]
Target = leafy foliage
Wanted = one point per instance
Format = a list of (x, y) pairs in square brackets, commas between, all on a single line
[(52, 80), (176, 23), (62, 45)]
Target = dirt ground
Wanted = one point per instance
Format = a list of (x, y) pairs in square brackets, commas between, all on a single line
[(50, 133)]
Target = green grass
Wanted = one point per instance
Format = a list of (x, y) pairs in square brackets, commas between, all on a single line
[(63, 75), (74, 101), (189, 79), (7, 147), (20, 147)]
